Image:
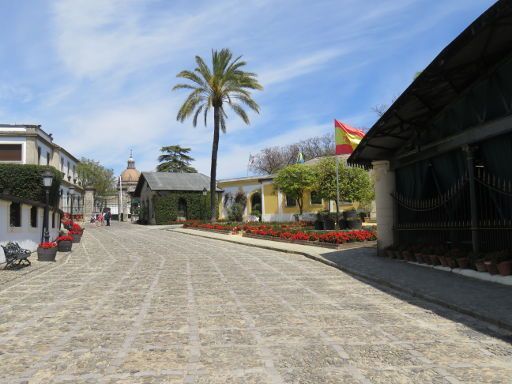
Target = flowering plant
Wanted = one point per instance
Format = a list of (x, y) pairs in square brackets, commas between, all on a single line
[(64, 238), (48, 245), (72, 232)]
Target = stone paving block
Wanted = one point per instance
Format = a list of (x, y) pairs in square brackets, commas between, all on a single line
[(183, 309)]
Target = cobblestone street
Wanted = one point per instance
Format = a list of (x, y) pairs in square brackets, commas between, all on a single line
[(139, 305)]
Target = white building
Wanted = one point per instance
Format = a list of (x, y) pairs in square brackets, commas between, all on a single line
[(22, 220), (29, 144)]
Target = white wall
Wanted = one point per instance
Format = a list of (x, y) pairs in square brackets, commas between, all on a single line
[(44, 150), (26, 236), (246, 189)]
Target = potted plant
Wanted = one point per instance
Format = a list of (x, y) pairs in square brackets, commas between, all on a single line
[(47, 251), (77, 236), (492, 260), (505, 267), (65, 243)]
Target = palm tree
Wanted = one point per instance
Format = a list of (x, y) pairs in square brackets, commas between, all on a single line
[(175, 159), (225, 83)]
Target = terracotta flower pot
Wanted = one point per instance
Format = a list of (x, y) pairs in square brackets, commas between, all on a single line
[(65, 246), (491, 267), (434, 260), (463, 262), (443, 260), (480, 265), (450, 262), (46, 254), (505, 268)]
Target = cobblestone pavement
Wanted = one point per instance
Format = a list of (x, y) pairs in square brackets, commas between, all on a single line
[(138, 305)]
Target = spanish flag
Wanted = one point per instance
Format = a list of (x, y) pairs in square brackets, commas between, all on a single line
[(346, 137)]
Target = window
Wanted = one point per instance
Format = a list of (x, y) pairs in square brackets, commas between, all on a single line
[(47, 158), (15, 214), (62, 165), (33, 217), (290, 201), (315, 199), (38, 155), (53, 219), (10, 152), (68, 168)]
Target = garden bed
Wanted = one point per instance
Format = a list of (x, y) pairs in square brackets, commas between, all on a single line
[(290, 233)]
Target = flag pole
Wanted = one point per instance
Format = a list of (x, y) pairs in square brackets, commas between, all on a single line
[(337, 225)]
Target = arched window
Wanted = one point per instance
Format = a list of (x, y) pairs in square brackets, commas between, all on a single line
[(15, 214), (33, 217), (53, 219)]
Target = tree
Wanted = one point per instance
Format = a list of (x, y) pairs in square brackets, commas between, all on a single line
[(93, 174), (225, 83), (175, 159), (355, 184), (272, 159), (294, 180)]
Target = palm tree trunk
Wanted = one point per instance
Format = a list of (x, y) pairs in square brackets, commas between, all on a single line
[(213, 171)]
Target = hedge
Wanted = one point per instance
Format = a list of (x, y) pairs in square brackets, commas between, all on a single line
[(25, 181), (166, 206)]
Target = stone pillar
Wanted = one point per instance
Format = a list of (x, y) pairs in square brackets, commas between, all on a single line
[(88, 203), (384, 186)]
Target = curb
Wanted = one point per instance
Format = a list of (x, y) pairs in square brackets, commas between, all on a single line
[(372, 279)]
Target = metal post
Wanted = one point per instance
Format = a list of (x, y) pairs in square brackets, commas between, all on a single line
[(46, 214), (336, 225), (472, 197), (120, 210), (72, 197)]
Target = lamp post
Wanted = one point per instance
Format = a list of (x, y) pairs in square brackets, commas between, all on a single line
[(47, 183), (205, 192), (71, 192)]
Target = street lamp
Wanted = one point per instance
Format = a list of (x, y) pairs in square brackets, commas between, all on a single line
[(47, 183), (71, 192), (205, 192)]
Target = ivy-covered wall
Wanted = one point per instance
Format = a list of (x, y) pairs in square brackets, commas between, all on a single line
[(25, 181), (166, 206)]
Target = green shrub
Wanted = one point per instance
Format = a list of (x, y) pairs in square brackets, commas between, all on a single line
[(236, 212), (166, 207), (25, 181)]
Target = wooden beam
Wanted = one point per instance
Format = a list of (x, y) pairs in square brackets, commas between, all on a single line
[(468, 137)]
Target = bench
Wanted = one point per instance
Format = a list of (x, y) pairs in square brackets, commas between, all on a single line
[(15, 255)]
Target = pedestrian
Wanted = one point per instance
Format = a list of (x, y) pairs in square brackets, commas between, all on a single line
[(107, 218)]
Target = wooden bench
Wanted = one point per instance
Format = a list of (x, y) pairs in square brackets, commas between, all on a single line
[(15, 256)]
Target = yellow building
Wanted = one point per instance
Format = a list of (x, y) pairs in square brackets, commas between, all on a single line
[(275, 206)]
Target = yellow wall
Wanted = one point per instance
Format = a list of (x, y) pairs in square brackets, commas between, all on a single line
[(270, 199)]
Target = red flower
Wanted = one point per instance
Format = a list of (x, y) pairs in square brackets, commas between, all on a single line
[(64, 238), (48, 245)]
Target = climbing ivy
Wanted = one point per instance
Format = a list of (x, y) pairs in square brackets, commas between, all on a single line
[(166, 206), (25, 181)]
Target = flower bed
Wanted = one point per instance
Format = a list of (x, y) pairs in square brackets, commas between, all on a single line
[(289, 232)]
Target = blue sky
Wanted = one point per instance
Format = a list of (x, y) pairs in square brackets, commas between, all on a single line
[(98, 74)]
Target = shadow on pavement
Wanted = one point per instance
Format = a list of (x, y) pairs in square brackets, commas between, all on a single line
[(446, 294)]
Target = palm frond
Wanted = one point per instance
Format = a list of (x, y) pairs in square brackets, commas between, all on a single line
[(240, 112), (198, 111)]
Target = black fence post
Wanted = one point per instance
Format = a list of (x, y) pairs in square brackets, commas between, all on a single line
[(472, 197)]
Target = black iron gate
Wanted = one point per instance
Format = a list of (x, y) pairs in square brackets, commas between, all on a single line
[(447, 218)]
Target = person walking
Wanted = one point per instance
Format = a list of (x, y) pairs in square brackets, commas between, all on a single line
[(107, 218)]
